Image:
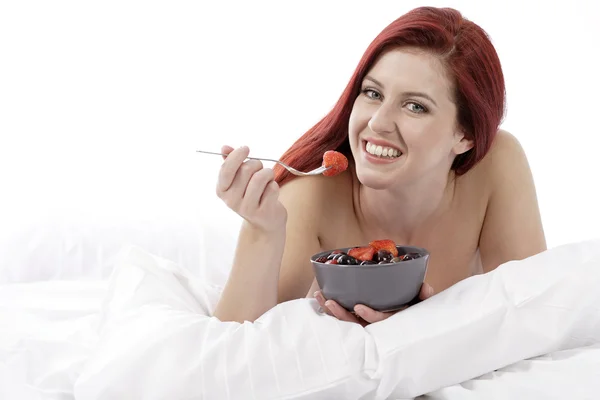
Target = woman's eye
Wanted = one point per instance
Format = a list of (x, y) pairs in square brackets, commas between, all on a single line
[(372, 94), (416, 108)]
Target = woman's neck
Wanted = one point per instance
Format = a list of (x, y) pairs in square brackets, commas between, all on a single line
[(402, 213)]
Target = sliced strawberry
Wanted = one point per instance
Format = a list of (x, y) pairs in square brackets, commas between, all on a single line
[(386, 244), (362, 253), (337, 161)]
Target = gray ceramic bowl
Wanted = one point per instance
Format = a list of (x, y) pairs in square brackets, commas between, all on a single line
[(383, 287)]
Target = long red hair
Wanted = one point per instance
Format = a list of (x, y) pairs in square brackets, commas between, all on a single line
[(470, 59)]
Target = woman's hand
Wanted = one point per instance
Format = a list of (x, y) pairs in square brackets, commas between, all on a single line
[(250, 190), (363, 314)]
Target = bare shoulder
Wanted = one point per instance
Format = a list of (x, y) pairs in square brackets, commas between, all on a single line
[(505, 157), (315, 195), (301, 193), (513, 227), (480, 181), (505, 140)]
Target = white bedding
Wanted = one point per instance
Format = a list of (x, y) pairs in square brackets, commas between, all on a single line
[(47, 332), (569, 374), (148, 333)]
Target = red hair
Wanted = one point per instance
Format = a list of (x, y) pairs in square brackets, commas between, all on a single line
[(471, 61)]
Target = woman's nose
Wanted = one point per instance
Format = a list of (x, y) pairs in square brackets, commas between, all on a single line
[(382, 121)]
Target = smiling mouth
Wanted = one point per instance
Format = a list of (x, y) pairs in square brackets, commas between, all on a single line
[(382, 152)]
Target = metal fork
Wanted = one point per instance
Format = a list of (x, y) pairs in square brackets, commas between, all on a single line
[(294, 171)]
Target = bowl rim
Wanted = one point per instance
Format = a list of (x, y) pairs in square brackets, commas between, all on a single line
[(421, 250)]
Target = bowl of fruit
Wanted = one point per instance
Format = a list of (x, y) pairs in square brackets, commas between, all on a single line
[(381, 275)]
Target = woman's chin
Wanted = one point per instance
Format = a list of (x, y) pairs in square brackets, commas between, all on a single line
[(376, 181)]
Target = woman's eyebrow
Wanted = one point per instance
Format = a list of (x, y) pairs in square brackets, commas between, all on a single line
[(412, 93), (420, 94), (375, 81)]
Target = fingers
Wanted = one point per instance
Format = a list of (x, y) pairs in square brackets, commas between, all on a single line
[(234, 195), (226, 150), (367, 315), (270, 194), (370, 315), (321, 300), (230, 167), (259, 187), (334, 309), (245, 179), (249, 189), (426, 291), (340, 312)]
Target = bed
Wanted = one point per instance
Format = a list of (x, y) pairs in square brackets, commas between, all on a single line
[(142, 328)]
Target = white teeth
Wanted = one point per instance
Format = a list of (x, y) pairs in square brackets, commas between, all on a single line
[(381, 151)]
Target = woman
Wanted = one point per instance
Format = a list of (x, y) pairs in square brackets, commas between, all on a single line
[(419, 122)]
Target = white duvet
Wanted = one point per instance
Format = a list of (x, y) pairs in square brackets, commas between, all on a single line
[(530, 329)]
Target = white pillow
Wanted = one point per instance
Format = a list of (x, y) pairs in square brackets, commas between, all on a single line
[(158, 339)]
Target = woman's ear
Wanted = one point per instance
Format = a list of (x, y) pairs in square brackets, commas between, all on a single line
[(462, 143)]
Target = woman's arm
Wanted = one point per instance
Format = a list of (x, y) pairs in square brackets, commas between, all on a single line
[(251, 289), (269, 240), (512, 228), (272, 268)]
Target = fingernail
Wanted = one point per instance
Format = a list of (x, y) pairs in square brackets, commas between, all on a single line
[(359, 310), (329, 304), (429, 291), (317, 295)]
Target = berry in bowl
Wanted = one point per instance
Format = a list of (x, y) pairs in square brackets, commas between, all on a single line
[(382, 275)]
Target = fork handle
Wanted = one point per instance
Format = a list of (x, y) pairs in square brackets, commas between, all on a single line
[(248, 158), (211, 152)]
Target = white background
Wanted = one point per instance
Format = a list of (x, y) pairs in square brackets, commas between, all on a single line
[(103, 104)]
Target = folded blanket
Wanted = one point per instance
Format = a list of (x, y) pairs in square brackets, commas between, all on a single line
[(158, 339)]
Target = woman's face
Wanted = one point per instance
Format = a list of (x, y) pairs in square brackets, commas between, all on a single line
[(403, 123)]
